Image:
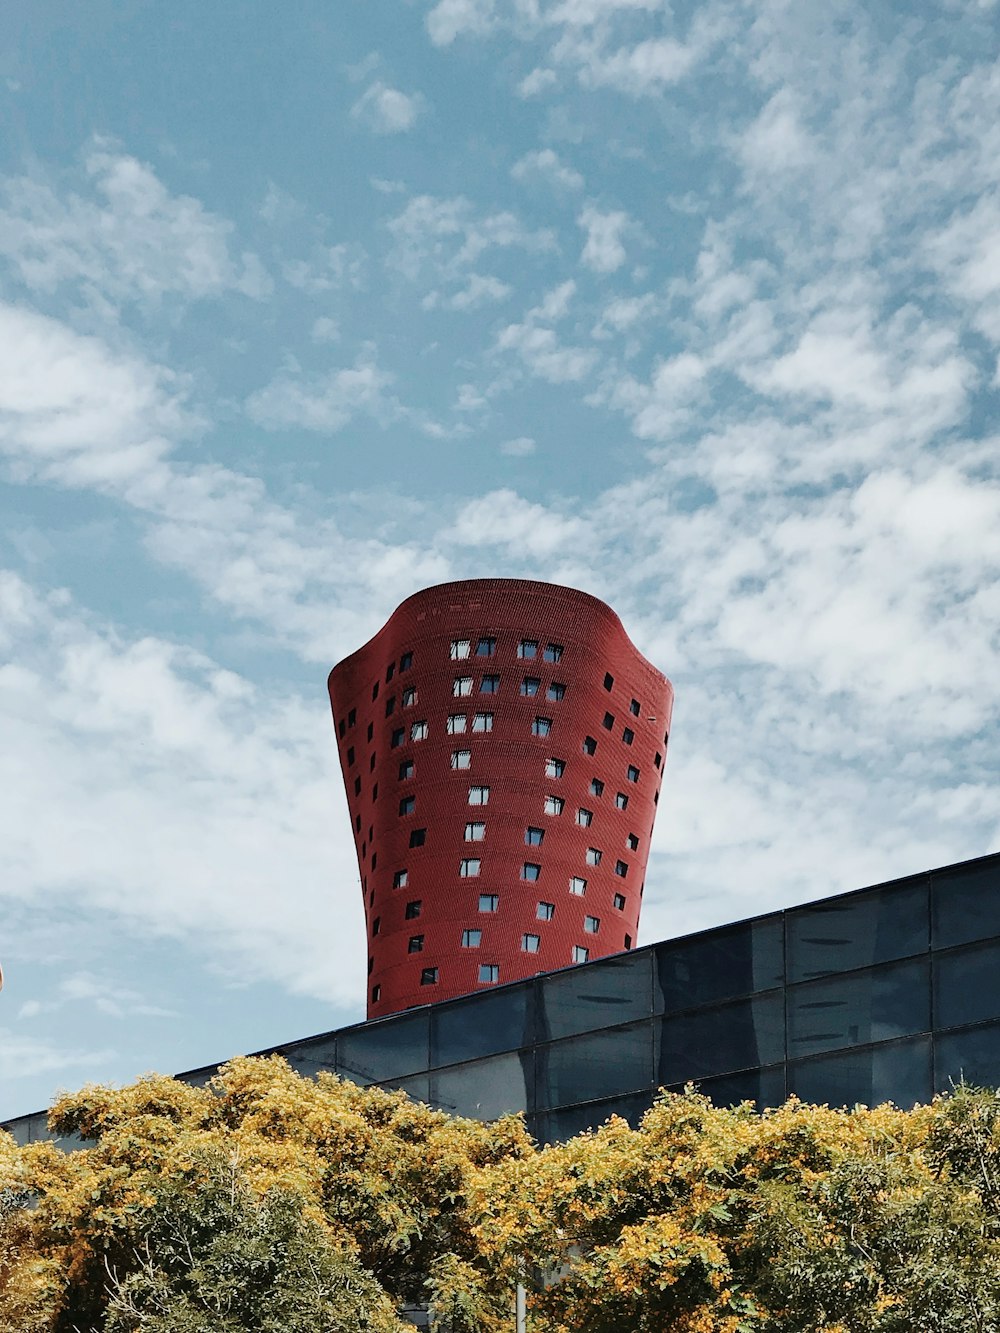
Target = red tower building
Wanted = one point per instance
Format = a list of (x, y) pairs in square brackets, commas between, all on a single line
[(502, 743)]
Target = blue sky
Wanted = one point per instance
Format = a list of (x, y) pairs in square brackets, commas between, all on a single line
[(696, 307)]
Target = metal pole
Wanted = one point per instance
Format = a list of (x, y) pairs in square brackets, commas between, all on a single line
[(520, 1310)]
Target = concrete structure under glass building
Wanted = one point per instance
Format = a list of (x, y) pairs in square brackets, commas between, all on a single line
[(890, 993)]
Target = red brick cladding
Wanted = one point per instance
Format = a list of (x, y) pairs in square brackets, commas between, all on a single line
[(608, 692)]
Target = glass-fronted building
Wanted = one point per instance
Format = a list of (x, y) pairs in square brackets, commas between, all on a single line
[(889, 993)]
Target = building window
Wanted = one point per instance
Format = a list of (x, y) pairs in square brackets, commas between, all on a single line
[(374, 691), (350, 754), (357, 786), (486, 647), (555, 768), (471, 939), (533, 836), (479, 795), (390, 705), (429, 976), (461, 758), (634, 708), (418, 837), (553, 652), (406, 661), (619, 901), (596, 787), (546, 911), (657, 759), (589, 745), (418, 732), (580, 954), (416, 944), (371, 730), (591, 924), (621, 800), (530, 943), (556, 690), (375, 792), (530, 871), (577, 885), (489, 685), (482, 722), (397, 737), (460, 648), (461, 686), (530, 686), (400, 879), (475, 832), (632, 842), (352, 717), (489, 902), (633, 773), (371, 964), (376, 993), (584, 817), (628, 941), (628, 735), (405, 770), (376, 925), (455, 724), (541, 726), (413, 910), (489, 973), (527, 648), (609, 680), (407, 805), (409, 697), (621, 869), (593, 856), (371, 763), (554, 805), (357, 822), (469, 867), (390, 671), (608, 721)]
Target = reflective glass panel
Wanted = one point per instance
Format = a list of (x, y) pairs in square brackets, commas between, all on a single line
[(967, 986), (859, 1008), (764, 1087), (416, 1086), (603, 1064), (481, 1025), (857, 931), (387, 1049), (719, 964), (557, 1126), (721, 1040), (972, 1055), (966, 904), (309, 1057), (485, 1089), (615, 990), (899, 1072)]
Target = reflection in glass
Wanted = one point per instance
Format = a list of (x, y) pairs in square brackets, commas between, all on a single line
[(557, 1126), (386, 1049), (416, 1086), (857, 931), (602, 1064), (721, 1040), (860, 1008), (719, 964), (899, 1072), (309, 1057), (966, 904), (973, 1055), (481, 1025), (486, 1089), (967, 985), (614, 990), (764, 1087)]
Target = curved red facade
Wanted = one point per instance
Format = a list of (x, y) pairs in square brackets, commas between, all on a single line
[(502, 743)]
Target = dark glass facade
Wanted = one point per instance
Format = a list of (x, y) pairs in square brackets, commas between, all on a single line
[(888, 994)]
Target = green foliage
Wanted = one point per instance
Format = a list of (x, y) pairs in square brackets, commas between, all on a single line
[(269, 1202)]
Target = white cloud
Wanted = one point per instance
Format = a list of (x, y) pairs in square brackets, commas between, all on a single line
[(480, 289), (130, 239), (386, 110), (544, 356), (453, 18), (503, 518), (521, 447), (603, 250), (326, 402), (545, 164), (537, 81)]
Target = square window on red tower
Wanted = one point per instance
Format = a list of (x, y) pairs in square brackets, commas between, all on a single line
[(553, 652), (415, 944), (461, 686), (530, 686), (489, 973), (589, 745), (541, 726), (530, 943), (429, 976), (486, 647), (527, 648)]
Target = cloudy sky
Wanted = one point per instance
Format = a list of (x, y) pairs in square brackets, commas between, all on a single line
[(304, 307)]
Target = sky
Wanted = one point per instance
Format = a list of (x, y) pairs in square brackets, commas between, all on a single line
[(305, 307)]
